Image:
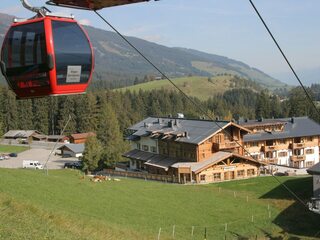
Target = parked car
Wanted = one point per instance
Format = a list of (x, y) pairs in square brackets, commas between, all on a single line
[(1, 158), (74, 165), (31, 164), (13, 155)]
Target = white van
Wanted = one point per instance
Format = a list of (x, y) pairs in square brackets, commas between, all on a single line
[(32, 164)]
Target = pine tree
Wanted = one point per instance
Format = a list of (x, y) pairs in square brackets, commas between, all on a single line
[(92, 154), (110, 136), (40, 115)]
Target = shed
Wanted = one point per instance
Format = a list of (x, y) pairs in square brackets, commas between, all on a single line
[(80, 137), (73, 150), (58, 138)]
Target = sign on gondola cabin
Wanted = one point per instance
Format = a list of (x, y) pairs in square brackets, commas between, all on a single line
[(47, 55)]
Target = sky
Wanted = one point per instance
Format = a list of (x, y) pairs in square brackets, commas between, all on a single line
[(225, 27)]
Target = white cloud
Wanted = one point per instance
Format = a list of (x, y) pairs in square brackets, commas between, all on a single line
[(85, 22)]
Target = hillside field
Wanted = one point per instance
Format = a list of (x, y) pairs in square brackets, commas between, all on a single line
[(195, 86), (10, 149), (63, 205)]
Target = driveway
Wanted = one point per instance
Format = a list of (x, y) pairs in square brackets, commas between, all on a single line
[(36, 154)]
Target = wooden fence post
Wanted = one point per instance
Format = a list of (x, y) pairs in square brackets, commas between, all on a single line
[(173, 230), (159, 233)]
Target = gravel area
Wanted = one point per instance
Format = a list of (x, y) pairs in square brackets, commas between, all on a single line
[(35, 154)]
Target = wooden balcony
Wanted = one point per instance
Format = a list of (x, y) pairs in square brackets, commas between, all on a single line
[(269, 148), (298, 158), (226, 145), (270, 160), (297, 145)]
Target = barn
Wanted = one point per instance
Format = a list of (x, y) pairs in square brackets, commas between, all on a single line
[(72, 150)]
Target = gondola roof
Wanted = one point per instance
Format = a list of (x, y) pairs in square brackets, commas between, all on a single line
[(93, 4)]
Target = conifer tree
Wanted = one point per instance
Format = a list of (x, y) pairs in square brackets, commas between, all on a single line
[(110, 136), (40, 115), (91, 154)]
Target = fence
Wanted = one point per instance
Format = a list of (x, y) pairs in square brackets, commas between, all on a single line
[(146, 176)]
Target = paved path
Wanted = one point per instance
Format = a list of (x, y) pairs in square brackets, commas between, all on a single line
[(35, 154)]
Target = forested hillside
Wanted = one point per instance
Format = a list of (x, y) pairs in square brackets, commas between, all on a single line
[(49, 115), (118, 65)]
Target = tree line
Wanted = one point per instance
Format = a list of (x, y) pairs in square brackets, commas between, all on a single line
[(109, 112)]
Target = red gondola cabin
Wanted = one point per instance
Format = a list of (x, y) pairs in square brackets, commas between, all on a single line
[(47, 56)]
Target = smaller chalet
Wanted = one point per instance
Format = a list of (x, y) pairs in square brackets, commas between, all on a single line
[(57, 138), (80, 137), (24, 135), (315, 171), (72, 150), (190, 150)]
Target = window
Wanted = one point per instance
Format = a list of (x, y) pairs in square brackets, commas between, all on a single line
[(282, 141), (138, 146), (282, 154), (153, 149), (250, 172), (145, 148), (24, 53), (240, 173), (71, 49), (309, 164), (309, 151), (202, 177), (309, 139), (254, 144), (203, 155), (217, 176)]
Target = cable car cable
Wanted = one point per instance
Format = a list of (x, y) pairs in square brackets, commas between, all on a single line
[(285, 58), (200, 108)]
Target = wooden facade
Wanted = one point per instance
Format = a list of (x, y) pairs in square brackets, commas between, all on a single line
[(216, 157)]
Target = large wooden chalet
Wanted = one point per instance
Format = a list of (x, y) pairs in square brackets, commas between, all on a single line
[(191, 150), (292, 142)]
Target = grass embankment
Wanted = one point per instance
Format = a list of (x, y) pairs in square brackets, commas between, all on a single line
[(198, 87), (11, 149), (64, 206)]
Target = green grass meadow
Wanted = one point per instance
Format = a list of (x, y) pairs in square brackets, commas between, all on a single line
[(11, 149), (195, 86), (64, 205)]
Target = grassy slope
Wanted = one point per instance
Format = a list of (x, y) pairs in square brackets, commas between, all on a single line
[(64, 206), (198, 87), (10, 149)]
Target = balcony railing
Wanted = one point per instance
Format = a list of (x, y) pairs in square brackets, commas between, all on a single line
[(270, 160), (269, 148), (297, 145), (298, 158), (226, 145)]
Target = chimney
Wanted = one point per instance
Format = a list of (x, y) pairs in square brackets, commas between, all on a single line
[(186, 134)]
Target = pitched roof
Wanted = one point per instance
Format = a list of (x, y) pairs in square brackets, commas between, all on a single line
[(181, 130), (20, 133), (76, 148), (151, 159), (314, 170), (82, 135), (197, 167), (293, 127)]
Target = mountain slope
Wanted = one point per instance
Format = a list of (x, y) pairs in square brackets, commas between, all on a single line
[(117, 64), (199, 87)]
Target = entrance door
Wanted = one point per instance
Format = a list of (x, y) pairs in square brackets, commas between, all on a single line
[(228, 175)]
